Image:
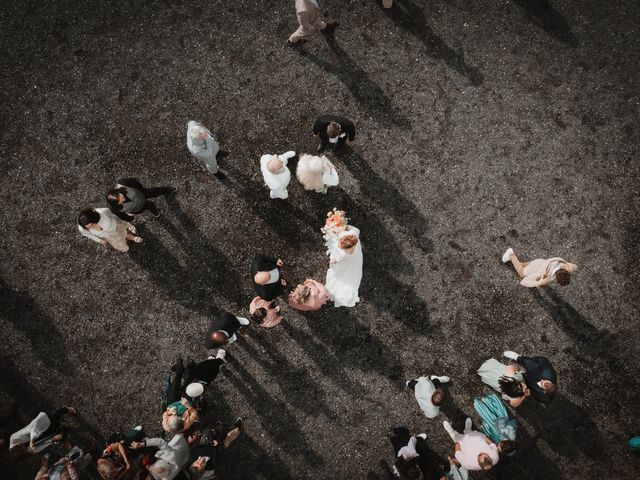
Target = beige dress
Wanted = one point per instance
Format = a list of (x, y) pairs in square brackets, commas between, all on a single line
[(114, 230), (309, 20), (542, 268)]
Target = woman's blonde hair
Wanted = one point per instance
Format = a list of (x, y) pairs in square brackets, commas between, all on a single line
[(301, 294)]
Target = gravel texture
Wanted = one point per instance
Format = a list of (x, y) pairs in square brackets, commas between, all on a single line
[(481, 125)]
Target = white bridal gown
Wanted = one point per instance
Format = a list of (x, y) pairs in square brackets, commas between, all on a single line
[(344, 276)]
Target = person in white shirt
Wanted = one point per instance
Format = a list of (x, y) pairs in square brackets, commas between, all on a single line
[(428, 393), (42, 432), (276, 174), (103, 226), (172, 456)]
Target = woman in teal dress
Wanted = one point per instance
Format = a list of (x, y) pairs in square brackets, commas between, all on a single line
[(496, 423)]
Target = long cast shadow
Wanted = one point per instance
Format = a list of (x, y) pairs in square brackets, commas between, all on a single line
[(207, 270), (294, 381), (366, 92), (387, 196), (410, 17), (566, 427), (542, 14), (275, 416), (594, 347), (21, 309)]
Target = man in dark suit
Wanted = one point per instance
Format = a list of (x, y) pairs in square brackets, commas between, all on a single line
[(539, 375), (333, 131), (131, 198), (267, 277), (222, 330)]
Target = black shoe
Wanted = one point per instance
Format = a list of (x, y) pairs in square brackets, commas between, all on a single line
[(220, 174), (239, 423), (321, 147), (222, 153), (172, 189)]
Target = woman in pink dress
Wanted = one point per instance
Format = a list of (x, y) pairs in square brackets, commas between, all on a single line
[(265, 313), (308, 296)]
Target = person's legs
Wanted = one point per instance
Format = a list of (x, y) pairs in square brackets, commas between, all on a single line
[(518, 265), (411, 384), (173, 395), (151, 207), (207, 371), (134, 238), (54, 426), (455, 436), (231, 436)]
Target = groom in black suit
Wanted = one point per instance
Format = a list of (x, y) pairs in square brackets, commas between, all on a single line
[(267, 277)]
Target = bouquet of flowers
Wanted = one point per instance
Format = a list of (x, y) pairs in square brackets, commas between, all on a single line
[(335, 224)]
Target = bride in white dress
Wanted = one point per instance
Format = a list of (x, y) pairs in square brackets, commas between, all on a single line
[(345, 268)]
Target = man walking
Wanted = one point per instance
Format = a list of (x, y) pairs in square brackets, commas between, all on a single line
[(222, 331), (310, 20)]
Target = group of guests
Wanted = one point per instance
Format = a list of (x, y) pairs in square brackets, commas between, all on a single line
[(473, 450)]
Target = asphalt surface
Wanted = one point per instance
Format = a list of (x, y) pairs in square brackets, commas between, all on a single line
[(481, 125)]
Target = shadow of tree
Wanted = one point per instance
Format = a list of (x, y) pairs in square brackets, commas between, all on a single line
[(542, 14), (387, 196), (207, 271), (410, 16), (365, 91), (21, 309)]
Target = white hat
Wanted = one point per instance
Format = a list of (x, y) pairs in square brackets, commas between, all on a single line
[(194, 389)]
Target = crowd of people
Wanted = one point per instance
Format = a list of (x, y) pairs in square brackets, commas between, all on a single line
[(196, 448)]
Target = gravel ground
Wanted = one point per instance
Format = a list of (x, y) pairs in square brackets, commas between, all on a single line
[(480, 125)]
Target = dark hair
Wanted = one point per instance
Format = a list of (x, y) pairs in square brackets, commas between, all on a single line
[(87, 216), (485, 462), (333, 129), (511, 387), (437, 397), (259, 314), (507, 447), (563, 277), (113, 196)]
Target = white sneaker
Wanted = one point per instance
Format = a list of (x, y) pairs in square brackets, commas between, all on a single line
[(422, 435), (221, 354), (138, 427), (511, 355), (506, 256), (449, 429), (441, 379), (467, 425)]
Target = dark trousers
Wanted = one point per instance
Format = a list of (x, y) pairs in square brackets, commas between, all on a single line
[(205, 371), (148, 193), (54, 427), (412, 383)]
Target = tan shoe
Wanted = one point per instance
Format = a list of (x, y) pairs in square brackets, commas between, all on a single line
[(387, 3)]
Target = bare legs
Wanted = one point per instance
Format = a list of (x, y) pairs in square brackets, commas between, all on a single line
[(518, 265)]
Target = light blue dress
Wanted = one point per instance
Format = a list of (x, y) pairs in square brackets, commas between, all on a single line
[(496, 423)]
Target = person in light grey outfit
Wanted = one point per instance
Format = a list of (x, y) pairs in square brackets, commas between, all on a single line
[(171, 456), (203, 145)]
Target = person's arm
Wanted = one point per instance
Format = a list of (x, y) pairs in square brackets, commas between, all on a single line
[(351, 130), (123, 453), (71, 469), (516, 402), (90, 235), (120, 214), (131, 183), (288, 155), (318, 125), (529, 282), (153, 442)]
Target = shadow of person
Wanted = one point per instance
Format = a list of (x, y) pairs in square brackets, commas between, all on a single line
[(274, 415), (206, 273), (21, 309), (410, 16), (594, 347), (245, 458), (528, 463), (287, 221), (387, 196), (365, 91), (294, 381), (542, 14), (566, 427)]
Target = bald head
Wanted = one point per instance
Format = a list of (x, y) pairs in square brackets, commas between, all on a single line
[(261, 278), (219, 338), (275, 165)]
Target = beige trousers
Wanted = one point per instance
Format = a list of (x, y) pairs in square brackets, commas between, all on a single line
[(309, 23)]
